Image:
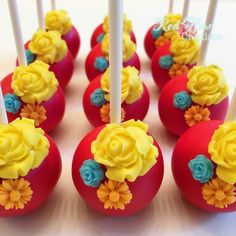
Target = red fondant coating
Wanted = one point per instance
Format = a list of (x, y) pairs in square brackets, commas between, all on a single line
[(143, 189), (136, 110), (72, 39), (42, 181), (55, 106), (173, 118), (149, 43), (99, 30), (193, 142), (92, 72)]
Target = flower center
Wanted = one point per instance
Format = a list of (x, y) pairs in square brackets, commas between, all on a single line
[(198, 117), (219, 195), (34, 115), (115, 147), (114, 196), (15, 196)]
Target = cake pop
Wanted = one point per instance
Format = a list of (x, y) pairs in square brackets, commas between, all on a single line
[(114, 165), (102, 29), (134, 97), (97, 60)]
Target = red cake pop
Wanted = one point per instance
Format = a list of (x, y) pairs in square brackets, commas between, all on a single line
[(102, 29), (97, 60)]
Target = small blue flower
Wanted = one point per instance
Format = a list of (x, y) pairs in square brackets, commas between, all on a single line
[(98, 98), (101, 64), (12, 103), (156, 32), (166, 62), (100, 37), (30, 57), (92, 173), (201, 168), (182, 100)]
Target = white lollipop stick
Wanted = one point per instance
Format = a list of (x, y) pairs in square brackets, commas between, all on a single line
[(115, 57), (53, 5), (231, 114), (171, 6), (39, 4), (207, 31), (186, 9), (16, 26), (3, 114)]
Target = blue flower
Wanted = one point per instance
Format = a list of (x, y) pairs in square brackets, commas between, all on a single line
[(166, 62), (30, 57), (100, 37), (101, 63), (201, 168), (156, 32), (92, 173), (98, 98), (182, 100), (12, 103)]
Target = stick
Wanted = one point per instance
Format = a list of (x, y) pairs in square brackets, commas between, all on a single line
[(53, 5), (207, 31), (3, 113), (186, 9), (39, 4), (171, 6), (115, 57), (17, 31), (231, 114)]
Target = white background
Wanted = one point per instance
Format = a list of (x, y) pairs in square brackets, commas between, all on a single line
[(65, 213)]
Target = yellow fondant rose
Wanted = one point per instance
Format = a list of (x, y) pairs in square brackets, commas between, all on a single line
[(184, 51), (207, 85), (125, 149), (48, 46), (131, 87), (222, 149), (127, 25), (129, 47), (34, 83), (58, 21), (22, 148)]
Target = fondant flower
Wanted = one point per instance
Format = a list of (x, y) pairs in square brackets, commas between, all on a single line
[(184, 51), (166, 62), (30, 57), (222, 149), (161, 41), (58, 21), (156, 31), (101, 63), (105, 113), (48, 46), (15, 193), (100, 38), (97, 98), (114, 194), (34, 83), (182, 100), (207, 85), (196, 114), (178, 69), (35, 112), (125, 149), (22, 148), (218, 193), (131, 85), (201, 168), (91, 173), (12, 103)]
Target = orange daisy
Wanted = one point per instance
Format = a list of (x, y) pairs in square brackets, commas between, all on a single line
[(160, 41), (178, 69)]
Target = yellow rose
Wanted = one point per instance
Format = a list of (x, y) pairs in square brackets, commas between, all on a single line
[(131, 85), (22, 148), (58, 21), (125, 149), (184, 51), (48, 46), (207, 85), (127, 25), (222, 149), (129, 47), (34, 83)]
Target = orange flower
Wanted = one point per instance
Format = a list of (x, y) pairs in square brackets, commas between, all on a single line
[(196, 114), (160, 41), (218, 193), (114, 194), (178, 69), (105, 113), (15, 193), (34, 112)]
